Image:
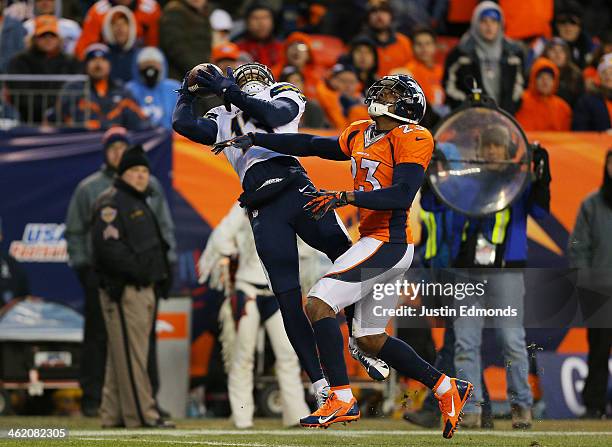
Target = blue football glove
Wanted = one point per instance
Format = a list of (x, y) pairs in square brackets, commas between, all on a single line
[(184, 90), (243, 142), (215, 82)]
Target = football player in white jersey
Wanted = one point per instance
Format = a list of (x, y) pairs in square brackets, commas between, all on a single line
[(273, 185)]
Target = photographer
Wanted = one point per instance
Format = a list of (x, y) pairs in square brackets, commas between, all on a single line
[(498, 242)]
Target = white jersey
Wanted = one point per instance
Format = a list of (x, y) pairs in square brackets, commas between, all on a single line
[(233, 123)]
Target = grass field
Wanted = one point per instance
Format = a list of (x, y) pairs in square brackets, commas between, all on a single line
[(367, 432)]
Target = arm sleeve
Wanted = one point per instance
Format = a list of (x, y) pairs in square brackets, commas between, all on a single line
[(580, 245), (302, 145), (151, 37), (407, 179), (90, 33), (184, 122), (161, 209), (581, 115), (132, 116), (455, 93), (539, 199), (77, 222), (223, 237), (273, 113), (429, 201)]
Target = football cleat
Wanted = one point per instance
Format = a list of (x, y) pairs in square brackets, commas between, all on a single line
[(451, 403), (332, 411), (376, 368), (322, 395)]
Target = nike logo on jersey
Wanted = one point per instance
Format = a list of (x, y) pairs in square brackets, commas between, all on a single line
[(304, 188), (420, 138), (323, 420), (452, 412)]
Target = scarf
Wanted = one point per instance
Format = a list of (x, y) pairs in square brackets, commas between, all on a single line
[(489, 52)]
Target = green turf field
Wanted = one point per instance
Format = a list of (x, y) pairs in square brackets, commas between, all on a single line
[(367, 432)]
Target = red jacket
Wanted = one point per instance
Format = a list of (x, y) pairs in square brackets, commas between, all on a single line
[(268, 53)]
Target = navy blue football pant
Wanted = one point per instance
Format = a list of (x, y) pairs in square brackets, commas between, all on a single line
[(275, 225)]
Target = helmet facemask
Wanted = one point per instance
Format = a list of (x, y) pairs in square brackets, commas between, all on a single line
[(253, 78), (394, 91)]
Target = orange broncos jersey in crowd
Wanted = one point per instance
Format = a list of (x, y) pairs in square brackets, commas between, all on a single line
[(372, 162)]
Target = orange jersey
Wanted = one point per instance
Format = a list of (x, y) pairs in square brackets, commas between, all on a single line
[(372, 162)]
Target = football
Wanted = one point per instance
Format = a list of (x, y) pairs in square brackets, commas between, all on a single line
[(192, 83)]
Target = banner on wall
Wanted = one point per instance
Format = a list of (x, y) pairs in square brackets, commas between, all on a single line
[(562, 381), (39, 171)]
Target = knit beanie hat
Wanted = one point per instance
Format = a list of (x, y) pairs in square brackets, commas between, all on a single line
[(134, 156)]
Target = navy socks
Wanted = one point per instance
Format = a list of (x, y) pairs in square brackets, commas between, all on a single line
[(401, 357), (331, 350)]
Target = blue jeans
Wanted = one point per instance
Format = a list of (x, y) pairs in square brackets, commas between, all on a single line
[(503, 289)]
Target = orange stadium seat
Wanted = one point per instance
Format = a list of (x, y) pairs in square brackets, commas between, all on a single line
[(327, 49)]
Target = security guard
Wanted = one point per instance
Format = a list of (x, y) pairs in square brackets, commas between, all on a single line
[(78, 222), (130, 256)]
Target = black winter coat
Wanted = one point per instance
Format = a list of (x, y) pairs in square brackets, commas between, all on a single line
[(35, 62), (127, 243), (462, 64)]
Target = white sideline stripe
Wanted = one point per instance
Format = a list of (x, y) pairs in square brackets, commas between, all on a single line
[(173, 441), (342, 433)]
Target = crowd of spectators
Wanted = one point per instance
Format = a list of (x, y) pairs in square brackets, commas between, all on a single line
[(550, 65)]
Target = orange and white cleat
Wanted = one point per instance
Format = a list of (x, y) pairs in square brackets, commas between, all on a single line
[(332, 411), (451, 403)]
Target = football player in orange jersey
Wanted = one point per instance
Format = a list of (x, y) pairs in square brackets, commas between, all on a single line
[(389, 156)]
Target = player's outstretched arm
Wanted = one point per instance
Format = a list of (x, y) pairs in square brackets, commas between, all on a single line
[(272, 114), (186, 123), (297, 144), (407, 179), (275, 113)]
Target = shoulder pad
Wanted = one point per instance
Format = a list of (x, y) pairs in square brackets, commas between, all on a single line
[(412, 130), (360, 123), (283, 87)]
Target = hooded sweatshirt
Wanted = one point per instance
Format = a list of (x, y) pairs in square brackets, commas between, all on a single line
[(156, 100), (489, 52), (146, 12), (121, 56), (539, 112), (497, 66), (311, 71)]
